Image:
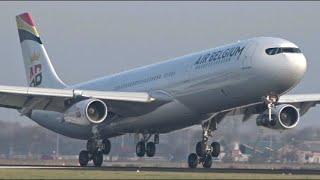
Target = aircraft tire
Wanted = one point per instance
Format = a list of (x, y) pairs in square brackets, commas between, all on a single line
[(97, 159), (200, 149), (83, 158), (150, 149), (192, 160), (207, 162), (140, 149), (107, 146), (215, 149)]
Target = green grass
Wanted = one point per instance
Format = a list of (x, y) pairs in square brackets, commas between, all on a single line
[(100, 174)]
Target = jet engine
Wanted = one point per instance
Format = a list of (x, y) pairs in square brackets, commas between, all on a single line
[(90, 111), (283, 116)]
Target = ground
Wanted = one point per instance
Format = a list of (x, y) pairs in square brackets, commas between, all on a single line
[(101, 174)]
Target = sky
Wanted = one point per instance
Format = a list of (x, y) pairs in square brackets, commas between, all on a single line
[(87, 40)]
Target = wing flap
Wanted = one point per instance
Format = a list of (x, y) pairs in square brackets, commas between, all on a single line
[(116, 96), (12, 101), (62, 93)]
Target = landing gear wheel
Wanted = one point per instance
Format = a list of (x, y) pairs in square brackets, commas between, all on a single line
[(207, 161), (97, 159), (141, 149), (192, 160), (83, 158), (106, 146), (215, 149), (200, 149), (150, 149)]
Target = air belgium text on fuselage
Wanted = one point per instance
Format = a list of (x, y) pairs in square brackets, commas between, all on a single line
[(220, 54)]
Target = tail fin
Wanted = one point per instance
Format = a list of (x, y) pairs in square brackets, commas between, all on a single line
[(39, 70)]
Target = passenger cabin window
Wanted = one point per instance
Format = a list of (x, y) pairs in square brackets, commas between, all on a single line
[(273, 51)]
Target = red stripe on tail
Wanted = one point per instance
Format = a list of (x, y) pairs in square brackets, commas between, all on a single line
[(26, 17)]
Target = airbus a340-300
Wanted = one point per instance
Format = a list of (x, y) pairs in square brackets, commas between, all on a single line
[(249, 77)]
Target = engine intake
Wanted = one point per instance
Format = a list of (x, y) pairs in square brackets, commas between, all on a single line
[(96, 111), (284, 116), (87, 112)]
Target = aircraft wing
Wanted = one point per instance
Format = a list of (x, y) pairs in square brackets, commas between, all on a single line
[(301, 101), (26, 99), (298, 98)]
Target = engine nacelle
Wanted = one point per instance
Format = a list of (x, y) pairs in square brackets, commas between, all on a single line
[(284, 116), (90, 111)]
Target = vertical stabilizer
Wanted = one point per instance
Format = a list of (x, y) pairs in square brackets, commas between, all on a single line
[(39, 70)]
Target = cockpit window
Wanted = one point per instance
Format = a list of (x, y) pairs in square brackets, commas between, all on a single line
[(278, 50)]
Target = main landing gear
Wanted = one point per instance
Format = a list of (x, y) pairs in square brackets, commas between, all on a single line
[(96, 148), (204, 151), (147, 148), (95, 151)]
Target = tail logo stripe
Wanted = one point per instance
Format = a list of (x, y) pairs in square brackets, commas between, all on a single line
[(26, 35), (26, 17), (25, 26)]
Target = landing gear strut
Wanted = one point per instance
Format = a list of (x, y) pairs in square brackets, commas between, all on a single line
[(204, 151), (147, 148), (270, 101), (96, 147)]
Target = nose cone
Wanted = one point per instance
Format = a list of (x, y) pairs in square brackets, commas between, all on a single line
[(282, 69), (296, 67)]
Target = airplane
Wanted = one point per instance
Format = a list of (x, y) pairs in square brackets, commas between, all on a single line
[(249, 77)]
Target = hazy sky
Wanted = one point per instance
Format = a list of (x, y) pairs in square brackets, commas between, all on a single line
[(86, 40)]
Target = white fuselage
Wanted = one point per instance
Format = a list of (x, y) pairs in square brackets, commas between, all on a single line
[(201, 83)]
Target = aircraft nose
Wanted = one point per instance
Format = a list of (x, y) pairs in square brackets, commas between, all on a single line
[(297, 66), (281, 64), (283, 70)]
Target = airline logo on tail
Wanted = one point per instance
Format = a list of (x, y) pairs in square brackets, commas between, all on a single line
[(35, 70), (35, 75), (35, 57), (28, 31)]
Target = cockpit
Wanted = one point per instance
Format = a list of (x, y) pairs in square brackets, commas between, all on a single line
[(278, 50)]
